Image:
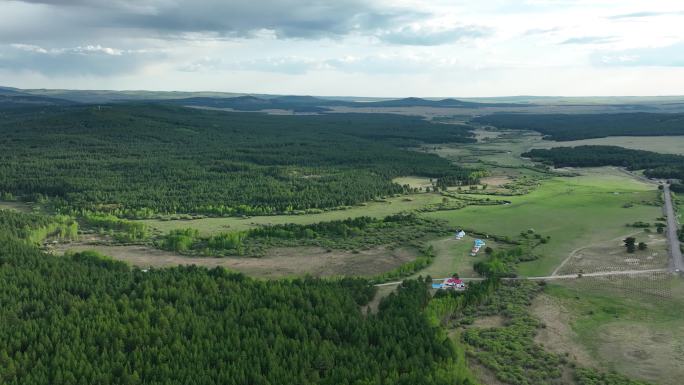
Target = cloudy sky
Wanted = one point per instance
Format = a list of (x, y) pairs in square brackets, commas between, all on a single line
[(347, 47)]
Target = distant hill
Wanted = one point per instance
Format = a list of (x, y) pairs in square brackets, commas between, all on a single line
[(14, 98), (443, 103), (247, 102), (314, 104)]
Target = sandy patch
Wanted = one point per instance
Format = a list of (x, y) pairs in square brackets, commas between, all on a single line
[(278, 262), (493, 321), (612, 256), (15, 206), (495, 181)]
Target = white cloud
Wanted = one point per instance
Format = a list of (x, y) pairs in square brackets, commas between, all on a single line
[(362, 47)]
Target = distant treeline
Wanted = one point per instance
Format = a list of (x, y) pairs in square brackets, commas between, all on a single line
[(656, 165), (140, 160), (586, 126)]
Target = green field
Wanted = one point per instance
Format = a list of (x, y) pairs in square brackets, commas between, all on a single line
[(575, 212), (632, 325), (378, 209), (662, 144), (452, 256)]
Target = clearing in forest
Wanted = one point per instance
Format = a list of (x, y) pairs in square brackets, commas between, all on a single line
[(277, 263), (377, 209)]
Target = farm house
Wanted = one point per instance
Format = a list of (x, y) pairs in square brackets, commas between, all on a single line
[(450, 283), (476, 247), (460, 234)]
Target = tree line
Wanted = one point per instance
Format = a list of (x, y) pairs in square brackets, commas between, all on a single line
[(586, 126), (655, 165)]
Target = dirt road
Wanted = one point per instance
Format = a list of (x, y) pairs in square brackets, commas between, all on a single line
[(676, 262), (555, 277)]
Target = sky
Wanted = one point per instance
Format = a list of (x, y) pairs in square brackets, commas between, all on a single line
[(383, 48)]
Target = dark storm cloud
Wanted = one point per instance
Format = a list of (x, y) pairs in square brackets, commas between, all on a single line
[(287, 18)]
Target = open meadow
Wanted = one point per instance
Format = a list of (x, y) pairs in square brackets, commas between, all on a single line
[(452, 256), (574, 211), (376, 209)]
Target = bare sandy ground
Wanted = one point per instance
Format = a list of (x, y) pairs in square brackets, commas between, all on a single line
[(278, 262)]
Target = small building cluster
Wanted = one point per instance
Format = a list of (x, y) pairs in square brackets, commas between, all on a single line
[(460, 234), (476, 247), (452, 283)]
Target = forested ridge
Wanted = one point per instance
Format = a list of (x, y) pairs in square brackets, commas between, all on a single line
[(585, 126), (654, 164), (139, 160)]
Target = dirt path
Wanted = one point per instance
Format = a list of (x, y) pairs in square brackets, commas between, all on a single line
[(555, 277), (577, 250), (676, 262)]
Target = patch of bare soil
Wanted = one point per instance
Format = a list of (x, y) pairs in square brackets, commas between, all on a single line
[(278, 262), (495, 181), (493, 321), (15, 206), (612, 256), (558, 336)]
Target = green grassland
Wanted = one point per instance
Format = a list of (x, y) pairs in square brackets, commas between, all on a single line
[(575, 212), (632, 325), (494, 148), (378, 209), (452, 256)]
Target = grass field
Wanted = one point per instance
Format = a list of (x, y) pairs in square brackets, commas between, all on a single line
[(207, 226), (452, 256), (630, 324), (662, 144), (575, 212)]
